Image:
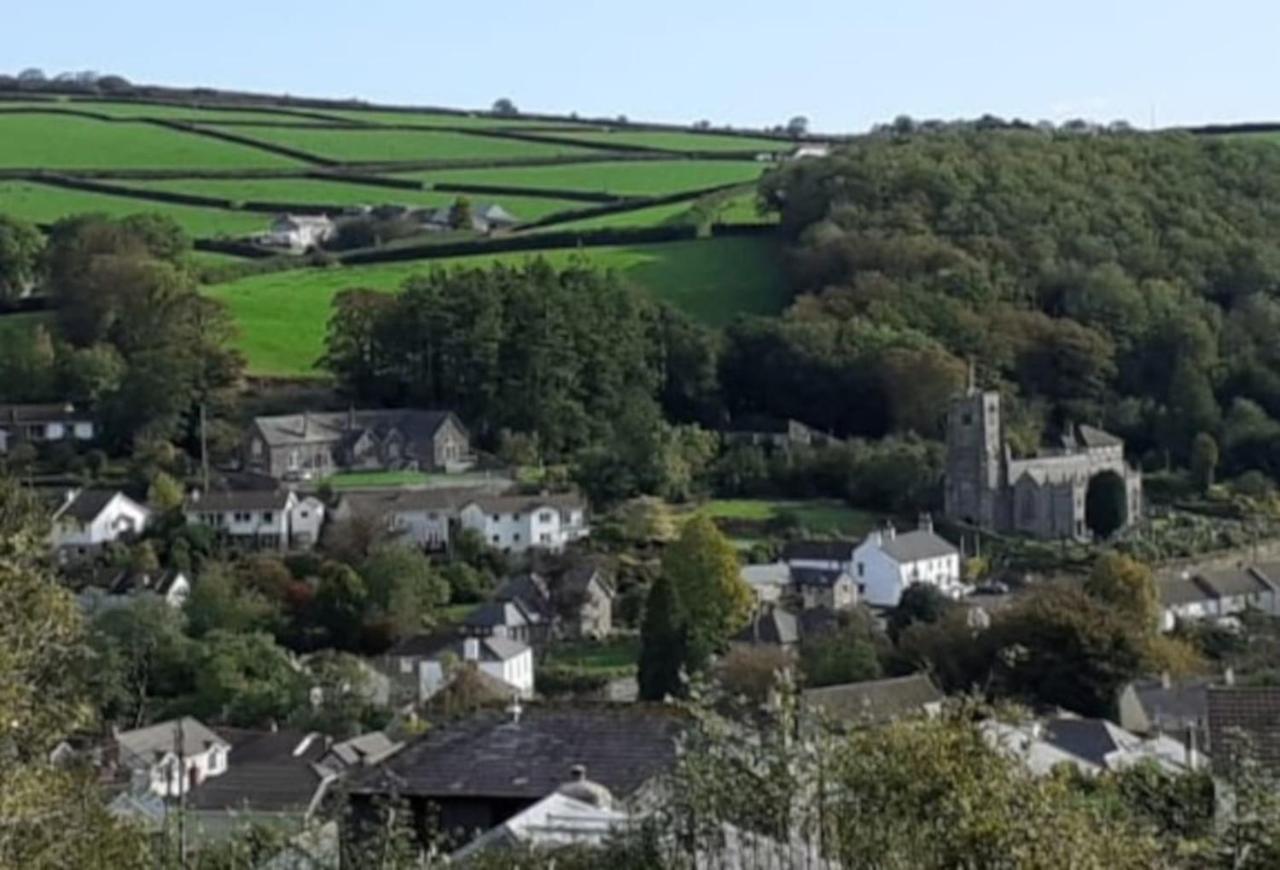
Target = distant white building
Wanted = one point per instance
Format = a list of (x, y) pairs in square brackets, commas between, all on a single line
[(886, 563), (172, 587), (426, 662), (258, 519), (516, 523), (298, 232), (171, 758), (43, 424), (811, 150), (89, 519), (1216, 594)]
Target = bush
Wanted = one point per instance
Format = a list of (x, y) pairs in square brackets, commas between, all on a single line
[(569, 680)]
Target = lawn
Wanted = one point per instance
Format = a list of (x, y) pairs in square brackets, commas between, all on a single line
[(282, 315), (311, 191), (615, 653), (674, 141), (816, 516), (41, 203), (393, 479), (741, 209), (380, 146), (621, 178), (46, 141)]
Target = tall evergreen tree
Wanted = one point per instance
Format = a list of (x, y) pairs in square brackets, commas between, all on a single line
[(663, 643)]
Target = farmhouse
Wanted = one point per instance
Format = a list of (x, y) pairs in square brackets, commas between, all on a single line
[(1044, 495), (89, 519), (485, 218), (314, 445), (886, 563), (298, 232), (43, 424)]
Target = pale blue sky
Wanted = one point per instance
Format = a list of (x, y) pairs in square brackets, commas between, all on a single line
[(843, 63)]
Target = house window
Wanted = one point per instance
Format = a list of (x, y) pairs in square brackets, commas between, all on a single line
[(516, 537), (241, 517), (495, 539), (268, 516), (496, 518), (862, 570), (515, 518), (545, 517)]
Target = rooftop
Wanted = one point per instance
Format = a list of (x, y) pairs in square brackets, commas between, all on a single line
[(267, 771), (222, 501), (331, 426), (917, 545), (150, 744), (874, 700), (87, 504), (1245, 719), (819, 551)]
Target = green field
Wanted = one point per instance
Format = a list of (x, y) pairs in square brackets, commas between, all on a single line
[(396, 479), (310, 191), (816, 516), (673, 141), (621, 178), (383, 146), (438, 119), (282, 315), (166, 112), (40, 203), (68, 142)]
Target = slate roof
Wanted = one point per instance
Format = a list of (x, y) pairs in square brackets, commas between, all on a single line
[(333, 426), (152, 743), (874, 700), (1244, 718), (772, 574), (223, 501), (1090, 739), (1091, 436), (770, 625), (515, 503), (816, 577), (47, 413), (365, 749), (432, 645), (1181, 703), (577, 580), (530, 589), (1175, 591), (488, 755), (129, 581), (824, 551), (509, 614), (917, 545), (1231, 582), (267, 771), (86, 505)]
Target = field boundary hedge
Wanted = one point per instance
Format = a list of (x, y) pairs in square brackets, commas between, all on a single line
[(535, 193), (595, 238), (214, 133), (622, 207)]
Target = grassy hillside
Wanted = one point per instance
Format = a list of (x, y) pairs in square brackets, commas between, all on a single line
[(622, 178), (48, 141), (168, 112), (671, 141), (441, 119), (377, 146), (283, 315)]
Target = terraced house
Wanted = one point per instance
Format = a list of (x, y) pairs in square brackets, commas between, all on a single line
[(314, 445)]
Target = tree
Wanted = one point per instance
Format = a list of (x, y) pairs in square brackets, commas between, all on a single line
[(844, 654), (403, 588), (246, 680), (753, 672), (20, 248), (219, 603), (1106, 504), (344, 699), (460, 216), (797, 126), (505, 107), (340, 603), (165, 494), (663, 644), (143, 660), (921, 603), (1127, 585), (706, 578), (1204, 460)]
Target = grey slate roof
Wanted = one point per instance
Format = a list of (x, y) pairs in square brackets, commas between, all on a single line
[(1091, 436), (152, 743), (509, 614), (87, 504), (1090, 739), (1244, 719), (1231, 582), (267, 771), (491, 648), (530, 589), (825, 551), (874, 701), (515, 503), (917, 545), (488, 755), (1183, 702), (222, 501), (816, 577), (770, 625), (1175, 591), (47, 413), (578, 579), (334, 426)]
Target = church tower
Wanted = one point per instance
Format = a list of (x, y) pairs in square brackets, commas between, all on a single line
[(975, 458)]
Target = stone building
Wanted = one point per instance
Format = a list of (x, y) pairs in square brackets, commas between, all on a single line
[(1044, 495)]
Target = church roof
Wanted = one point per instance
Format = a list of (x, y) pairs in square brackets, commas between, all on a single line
[(1093, 437)]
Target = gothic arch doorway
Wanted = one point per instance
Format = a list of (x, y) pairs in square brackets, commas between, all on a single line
[(1106, 504)]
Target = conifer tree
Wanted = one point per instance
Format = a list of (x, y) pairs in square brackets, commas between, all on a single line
[(663, 643)]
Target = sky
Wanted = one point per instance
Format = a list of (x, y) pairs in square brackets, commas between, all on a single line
[(844, 64)]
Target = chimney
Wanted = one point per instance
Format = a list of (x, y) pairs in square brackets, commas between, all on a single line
[(889, 531), (925, 523), (1229, 677), (471, 649), (1166, 680), (578, 773)]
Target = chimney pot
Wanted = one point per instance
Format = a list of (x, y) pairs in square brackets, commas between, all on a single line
[(471, 649)]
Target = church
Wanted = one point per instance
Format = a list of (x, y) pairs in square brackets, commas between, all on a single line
[(1044, 495)]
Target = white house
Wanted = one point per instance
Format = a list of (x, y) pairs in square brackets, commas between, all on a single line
[(170, 758), (817, 587), (172, 587), (768, 582), (1215, 594), (298, 232), (427, 662), (88, 519), (255, 519), (306, 518), (43, 424), (886, 563), (516, 523)]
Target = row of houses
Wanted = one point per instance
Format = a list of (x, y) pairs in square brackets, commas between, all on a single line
[(1216, 594), (44, 424), (302, 233)]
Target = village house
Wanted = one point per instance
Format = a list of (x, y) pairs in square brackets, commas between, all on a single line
[(479, 771), (820, 555), (43, 424), (424, 665), (874, 702), (258, 519), (125, 586), (507, 618), (768, 581), (775, 626), (1214, 594), (576, 602), (818, 587), (1177, 707), (170, 758), (773, 433), (486, 218), (518, 523), (298, 233), (315, 445), (89, 519), (886, 563), (1091, 746)]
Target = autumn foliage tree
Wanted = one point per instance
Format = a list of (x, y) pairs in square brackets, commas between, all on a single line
[(705, 576)]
